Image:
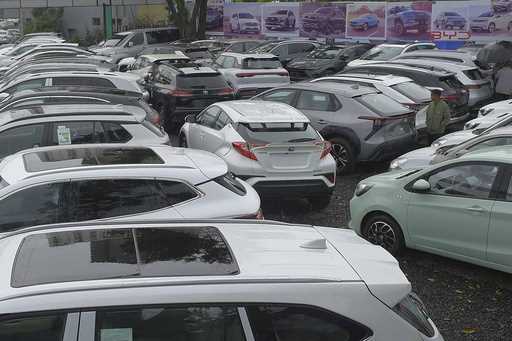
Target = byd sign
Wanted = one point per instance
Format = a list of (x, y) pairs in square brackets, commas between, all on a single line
[(450, 35)]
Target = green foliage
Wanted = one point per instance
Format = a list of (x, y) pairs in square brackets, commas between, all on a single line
[(45, 20)]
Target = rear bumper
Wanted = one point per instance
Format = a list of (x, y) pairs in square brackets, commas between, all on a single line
[(289, 187)]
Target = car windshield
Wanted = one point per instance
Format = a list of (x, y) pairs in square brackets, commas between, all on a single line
[(246, 16), (264, 48), (382, 53), (199, 54), (111, 42), (382, 104), (277, 133), (324, 54), (261, 63), (487, 14), (413, 91)]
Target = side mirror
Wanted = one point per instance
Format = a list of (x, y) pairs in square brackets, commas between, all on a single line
[(191, 118), (421, 185)]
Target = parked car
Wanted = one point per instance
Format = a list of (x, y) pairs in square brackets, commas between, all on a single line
[(143, 64), (113, 41), (136, 40), (384, 52), (453, 91), (140, 279), (405, 19), (69, 124), (483, 122), (423, 157), (491, 21), (214, 17), (449, 21), (324, 61), (178, 90), (286, 50), (326, 19), (502, 6), (282, 19), (496, 108), (270, 145), (252, 73), (361, 123), (364, 22), (120, 183), (480, 89), (441, 209), (242, 22)]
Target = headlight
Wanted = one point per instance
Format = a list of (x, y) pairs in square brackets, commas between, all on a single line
[(484, 112), (362, 188), (438, 143), (412, 309), (397, 163)]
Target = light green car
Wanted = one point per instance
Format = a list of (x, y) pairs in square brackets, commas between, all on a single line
[(460, 209)]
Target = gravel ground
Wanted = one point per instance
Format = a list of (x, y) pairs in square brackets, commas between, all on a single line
[(467, 302)]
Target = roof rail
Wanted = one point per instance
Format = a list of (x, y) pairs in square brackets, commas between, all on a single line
[(36, 116)]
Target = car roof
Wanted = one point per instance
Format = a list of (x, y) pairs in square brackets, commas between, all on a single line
[(254, 111), (56, 73), (345, 90), (425, 53), (384, 79), (506, 130), (248, 55), (397, 65), (200, 166), (437, 64), (501, 154)]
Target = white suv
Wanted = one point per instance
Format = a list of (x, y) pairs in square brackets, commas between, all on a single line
[(269, 144), (204, 280), (114, 182)]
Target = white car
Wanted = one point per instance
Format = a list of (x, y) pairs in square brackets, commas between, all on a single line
[(385, 52), (496, 108), (269, 144), (484, 122), (204, 280), (242, 22), (70, 183), (490, 22), (142, 64), (252, 73)]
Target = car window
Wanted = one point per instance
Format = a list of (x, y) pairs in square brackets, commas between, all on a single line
[(299, 323), (492, 142), (161, 36), (300, 48), (27, 85), (83, 81), (137, 39), (283, 96), (229, 62), (105, 198), (221, 121), (220, 60), (114, 132), (200, 323), (15, 139), (314, 100), (33, 328), (176, 192), (207, 118), (468, 180), (78, 132), (37, 205), (280, 50), (236, 47)]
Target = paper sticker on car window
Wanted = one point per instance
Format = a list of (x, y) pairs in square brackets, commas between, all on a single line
[(318, 98), (63, 135), (116, 334)]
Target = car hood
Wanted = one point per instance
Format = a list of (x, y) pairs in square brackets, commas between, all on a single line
[(308, 64), (374, 265), (457, 137), (417, 159)]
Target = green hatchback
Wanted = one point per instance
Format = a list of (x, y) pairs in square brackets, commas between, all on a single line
[(460, 209)]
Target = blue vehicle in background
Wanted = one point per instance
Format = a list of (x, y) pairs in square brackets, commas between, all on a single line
[(365, 22), (404, 19)]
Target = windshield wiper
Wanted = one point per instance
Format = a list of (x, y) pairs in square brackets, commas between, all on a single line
[(303, 139)]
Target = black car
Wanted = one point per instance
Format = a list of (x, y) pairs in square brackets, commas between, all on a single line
[(240, 46), (287, 50), (453, 91), (324, 61), (177, 90)]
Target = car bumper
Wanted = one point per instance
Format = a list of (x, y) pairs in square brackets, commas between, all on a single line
[(290, 187), (250, 29), (479, 26)]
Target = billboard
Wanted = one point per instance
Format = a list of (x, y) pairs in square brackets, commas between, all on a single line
[(322, 20), (450, 21), (366, 20), (408, 21), (242, 20), (215, 16), (491, 21), (281, 20)]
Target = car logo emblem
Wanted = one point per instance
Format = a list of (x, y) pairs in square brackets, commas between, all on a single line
[(291, 149), (205, 92)]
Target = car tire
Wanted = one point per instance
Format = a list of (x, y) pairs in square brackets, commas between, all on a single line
[(380, 229), (491, 28), (320, 202), (343, 155), (399, 28)]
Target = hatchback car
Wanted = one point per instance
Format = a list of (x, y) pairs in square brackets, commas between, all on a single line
[(114, 182), (361, 123), (385, 52), (204, 280), (458, 209), (270, 145)]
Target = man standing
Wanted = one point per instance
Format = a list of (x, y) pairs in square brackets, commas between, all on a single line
[(438, 116)]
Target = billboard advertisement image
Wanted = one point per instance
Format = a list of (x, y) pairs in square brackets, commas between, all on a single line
[(242, 19), (450, 21), (409, 20), (280, 20), (366, 20), (322, 20), (214, 17), (490, 22)]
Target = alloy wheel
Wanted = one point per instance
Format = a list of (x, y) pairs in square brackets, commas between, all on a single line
[(341, 156), (382, 234)]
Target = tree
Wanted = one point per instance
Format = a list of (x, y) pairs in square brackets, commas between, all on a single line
[(45, 20), (191, 25)]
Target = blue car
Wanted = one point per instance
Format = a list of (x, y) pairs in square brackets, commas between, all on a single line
[(365, 22), (403, 19)]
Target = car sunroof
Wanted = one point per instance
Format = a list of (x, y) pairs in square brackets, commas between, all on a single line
[(122, 253), (78, 157)]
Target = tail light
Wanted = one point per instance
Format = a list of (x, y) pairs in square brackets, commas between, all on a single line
[(473, 87), (226, 91), (258, 215), (326, 148), (243, 149), (180, 93), (155, 119), (331, 177)]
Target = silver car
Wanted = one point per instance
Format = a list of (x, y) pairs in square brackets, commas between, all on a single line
[(62, 184), (271, 145)]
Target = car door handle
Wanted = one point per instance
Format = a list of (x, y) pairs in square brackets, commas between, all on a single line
[(321, 121), (476, 209)]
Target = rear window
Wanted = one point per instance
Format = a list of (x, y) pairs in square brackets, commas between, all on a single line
[(382, 104), (199, 55), (122, 253), (451, 82), (382, 53), (261, 63), (276, 133), (201, 81), (474, 74), (413, 91)]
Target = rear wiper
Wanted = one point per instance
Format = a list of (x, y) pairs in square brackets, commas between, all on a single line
[(303, 139)]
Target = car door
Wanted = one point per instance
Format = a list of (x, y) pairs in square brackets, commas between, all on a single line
[(15, 139), (320, 107), (198, 130), (286, 96), (453, 216)]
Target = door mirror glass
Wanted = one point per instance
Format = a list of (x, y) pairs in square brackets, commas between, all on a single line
[(421, 185), (191, 118)]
